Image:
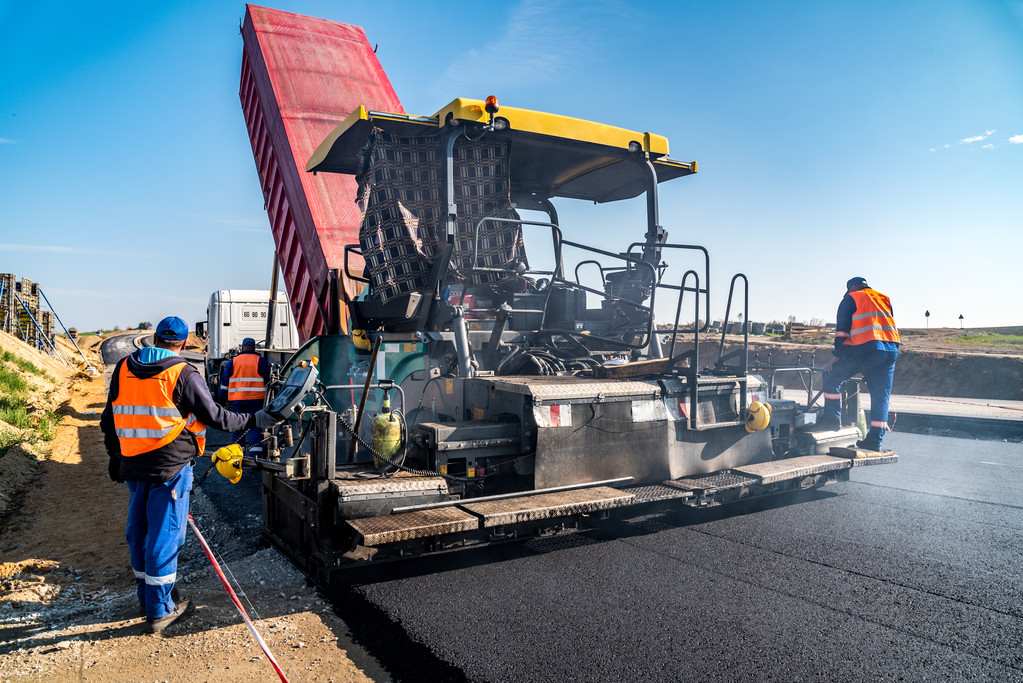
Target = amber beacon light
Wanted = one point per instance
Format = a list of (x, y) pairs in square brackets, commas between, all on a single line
[(491, 106)]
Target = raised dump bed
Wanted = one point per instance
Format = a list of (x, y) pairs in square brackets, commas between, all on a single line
[(300, 78)]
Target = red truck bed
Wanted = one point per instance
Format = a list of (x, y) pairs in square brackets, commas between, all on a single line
[(300, 77)]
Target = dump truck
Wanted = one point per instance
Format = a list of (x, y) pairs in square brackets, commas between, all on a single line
[(484, 391), (235, 314)]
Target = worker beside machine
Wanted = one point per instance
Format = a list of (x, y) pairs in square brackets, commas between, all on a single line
[(243, 382), (866, 341), (154, 426)]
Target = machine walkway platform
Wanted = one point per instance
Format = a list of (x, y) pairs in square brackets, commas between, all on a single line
[(493, 517)]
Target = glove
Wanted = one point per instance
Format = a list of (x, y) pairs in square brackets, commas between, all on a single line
[(265, 420), (114, 470)]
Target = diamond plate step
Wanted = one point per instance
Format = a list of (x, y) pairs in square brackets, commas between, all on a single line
[(657, 492), (546, 505), (407, 526), (793, 468), (715, 481)]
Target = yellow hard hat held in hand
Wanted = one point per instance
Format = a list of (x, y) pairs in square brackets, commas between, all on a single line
[(758, 416), (229, 462)]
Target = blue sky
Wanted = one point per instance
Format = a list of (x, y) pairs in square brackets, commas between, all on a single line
[(834, 139)]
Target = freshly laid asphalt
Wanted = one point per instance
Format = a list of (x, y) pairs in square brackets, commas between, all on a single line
[(911, 571)]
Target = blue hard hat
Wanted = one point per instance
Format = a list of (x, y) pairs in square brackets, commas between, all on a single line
[(249, 341), (172, 328)]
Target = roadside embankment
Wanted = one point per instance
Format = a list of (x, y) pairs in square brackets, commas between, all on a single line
[(917, 372)]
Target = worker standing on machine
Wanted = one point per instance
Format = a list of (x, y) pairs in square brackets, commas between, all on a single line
[(867, 342), (243, 380), (154, 426)]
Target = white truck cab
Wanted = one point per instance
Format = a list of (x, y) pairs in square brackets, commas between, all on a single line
[(233, 315)]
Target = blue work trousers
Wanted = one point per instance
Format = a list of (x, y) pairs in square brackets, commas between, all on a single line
[(157, 522), (250, 407), (878, 369)]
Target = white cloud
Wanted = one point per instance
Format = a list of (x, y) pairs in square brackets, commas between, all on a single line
[(978, 138), (1016, 140), (6, 141), (53, 249), (988, 146)]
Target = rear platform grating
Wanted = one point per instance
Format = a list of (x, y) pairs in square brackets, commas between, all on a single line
[(717, 481), (407, 526), (547, 505), (657, 492), (792, 468)]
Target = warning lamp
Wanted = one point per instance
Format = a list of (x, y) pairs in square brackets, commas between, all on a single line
[(315, 360), (491, 106)]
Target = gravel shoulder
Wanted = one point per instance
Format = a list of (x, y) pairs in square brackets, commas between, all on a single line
[(67, 597)]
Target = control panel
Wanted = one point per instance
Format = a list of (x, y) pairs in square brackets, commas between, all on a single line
[(298, 385)]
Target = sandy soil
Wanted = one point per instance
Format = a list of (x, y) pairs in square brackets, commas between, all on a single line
[(68, 609)]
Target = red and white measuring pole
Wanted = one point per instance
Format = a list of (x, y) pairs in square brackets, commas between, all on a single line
[(236, 601)]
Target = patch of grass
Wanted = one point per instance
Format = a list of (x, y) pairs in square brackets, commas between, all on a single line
[(12, 382), (14, 413), (14, 410), (7, 439), (23, 365), (46, 425), (989, 339)]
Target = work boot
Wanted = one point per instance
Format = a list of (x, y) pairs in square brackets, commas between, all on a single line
[(181, 611), (868, 445)]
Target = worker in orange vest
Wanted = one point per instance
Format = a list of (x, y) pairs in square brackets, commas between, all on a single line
[(154, 426), (866, 341), (243, 382)]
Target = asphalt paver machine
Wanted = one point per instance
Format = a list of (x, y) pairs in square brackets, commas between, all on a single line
[(504, 376)]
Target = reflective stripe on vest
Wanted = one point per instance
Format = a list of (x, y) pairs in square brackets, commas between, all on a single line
[(872, 320), (145, 417), (245, 383)]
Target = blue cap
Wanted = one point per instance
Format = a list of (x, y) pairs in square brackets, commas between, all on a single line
[(857, 282), (249, 341), (172, 328)]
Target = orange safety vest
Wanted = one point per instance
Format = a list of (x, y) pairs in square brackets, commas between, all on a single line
[(245, 383), (145, 417), (872, 320)]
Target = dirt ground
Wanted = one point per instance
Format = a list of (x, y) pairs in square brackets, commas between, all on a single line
[(67, 605), (67, 599)]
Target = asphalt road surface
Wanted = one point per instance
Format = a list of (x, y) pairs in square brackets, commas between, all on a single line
[(114, 349), (907, 572), (910, 572)]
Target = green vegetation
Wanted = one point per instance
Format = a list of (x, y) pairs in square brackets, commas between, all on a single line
[(989, 339), (14, 390)]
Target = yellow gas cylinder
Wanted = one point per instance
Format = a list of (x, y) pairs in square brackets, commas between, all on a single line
[(385, 433), (758, 416)]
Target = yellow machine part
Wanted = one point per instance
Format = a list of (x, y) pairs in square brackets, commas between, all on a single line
[(360, 340), (385, 436), (758, 416), (229, 462)]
